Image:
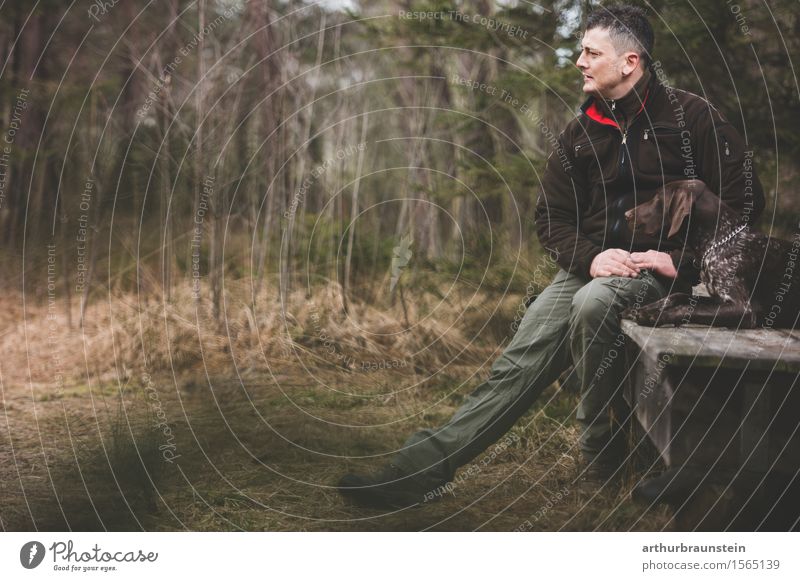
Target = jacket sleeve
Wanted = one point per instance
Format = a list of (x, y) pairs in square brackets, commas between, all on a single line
[(726, 166), (558, 214), (724, 163)]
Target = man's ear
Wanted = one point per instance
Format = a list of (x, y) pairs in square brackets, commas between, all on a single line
[(681, 200), (631, 62)]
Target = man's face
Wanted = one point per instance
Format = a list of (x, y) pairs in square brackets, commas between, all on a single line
[(600, 64)]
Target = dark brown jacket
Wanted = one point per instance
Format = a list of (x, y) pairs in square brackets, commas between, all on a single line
[(615, 155)]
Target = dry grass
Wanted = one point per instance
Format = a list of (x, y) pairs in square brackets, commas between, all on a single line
[(127, 334), (264, 413)]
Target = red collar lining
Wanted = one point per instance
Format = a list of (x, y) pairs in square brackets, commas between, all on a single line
[(594, 112)]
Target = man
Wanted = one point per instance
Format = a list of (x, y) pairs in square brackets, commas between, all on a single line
[(632, 136)]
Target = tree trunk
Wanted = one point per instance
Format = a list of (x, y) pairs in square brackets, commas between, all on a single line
[(271, 114), (354, 214), (199, 106)]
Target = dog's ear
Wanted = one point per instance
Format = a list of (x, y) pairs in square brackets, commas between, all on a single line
[(679, 201)]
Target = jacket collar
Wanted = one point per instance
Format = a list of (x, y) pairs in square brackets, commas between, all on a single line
[(620, 112)]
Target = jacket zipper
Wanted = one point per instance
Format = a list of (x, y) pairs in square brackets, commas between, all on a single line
[(624, 133), (623, 146)]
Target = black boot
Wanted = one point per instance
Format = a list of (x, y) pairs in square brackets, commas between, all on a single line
[(674, 486), (606, 464), (603, 469), (390, 487)]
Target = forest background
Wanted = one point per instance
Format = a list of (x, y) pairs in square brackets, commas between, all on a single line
[(301, 221)]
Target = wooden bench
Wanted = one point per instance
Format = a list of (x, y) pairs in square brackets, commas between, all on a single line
[(725, 404)]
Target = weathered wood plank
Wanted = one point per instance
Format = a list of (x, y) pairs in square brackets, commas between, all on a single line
[(702, 346)]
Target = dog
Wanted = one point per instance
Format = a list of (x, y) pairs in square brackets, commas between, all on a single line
[(753, 280)]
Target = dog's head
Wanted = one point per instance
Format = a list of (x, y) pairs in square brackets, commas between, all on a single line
[(667, 209)]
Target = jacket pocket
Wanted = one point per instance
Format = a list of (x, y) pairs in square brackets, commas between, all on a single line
[(590, 147), (596, 158), (660, 151)]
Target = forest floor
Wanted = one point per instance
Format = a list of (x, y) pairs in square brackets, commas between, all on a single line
[(245, 458), (261, 448)]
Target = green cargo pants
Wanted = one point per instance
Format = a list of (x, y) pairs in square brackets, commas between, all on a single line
[(573, 321)]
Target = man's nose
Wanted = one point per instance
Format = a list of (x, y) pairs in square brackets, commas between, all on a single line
[(580, 63), (629, 214)]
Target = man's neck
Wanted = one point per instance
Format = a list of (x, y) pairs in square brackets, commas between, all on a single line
[(625, 87), (625, 108)]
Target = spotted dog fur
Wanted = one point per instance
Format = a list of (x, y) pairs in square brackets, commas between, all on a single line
[(753, 280)]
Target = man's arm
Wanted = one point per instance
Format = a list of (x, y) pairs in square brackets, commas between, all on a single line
[(726, 165)]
